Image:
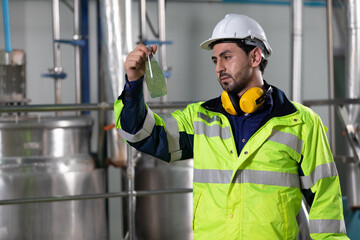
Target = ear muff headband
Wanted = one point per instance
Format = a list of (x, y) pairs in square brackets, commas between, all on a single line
[(249, 102)]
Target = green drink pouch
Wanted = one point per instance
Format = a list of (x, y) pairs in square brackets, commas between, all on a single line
[(155, 79)]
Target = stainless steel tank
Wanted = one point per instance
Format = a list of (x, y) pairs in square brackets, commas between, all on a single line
[(352, 80), (48, 157), (169, 216), (353, 185)]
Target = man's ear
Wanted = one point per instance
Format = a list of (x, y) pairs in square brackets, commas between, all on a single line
[(255, 55)]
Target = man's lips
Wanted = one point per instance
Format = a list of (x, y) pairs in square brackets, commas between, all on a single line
[(224, 77)]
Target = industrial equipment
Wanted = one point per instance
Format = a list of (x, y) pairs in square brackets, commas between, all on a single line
[(166, 216), (43, 156), (47, 157)]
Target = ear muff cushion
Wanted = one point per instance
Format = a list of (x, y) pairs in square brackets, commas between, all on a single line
[(227, 104), (248, 100)]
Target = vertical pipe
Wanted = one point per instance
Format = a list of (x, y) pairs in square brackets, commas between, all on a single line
[(296, 59), (162, 38), (329, 16), (77, 36), (131, 191), (85, 81), (303, 222), (128, 27), (353, 57), (296, 72), (142, 21), (7, 32), (111, 48), (111, 76), (57, 53), (101, 139), (143, 34)]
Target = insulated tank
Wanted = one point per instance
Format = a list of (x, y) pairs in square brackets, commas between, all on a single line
[(49, 157), (166, 216)]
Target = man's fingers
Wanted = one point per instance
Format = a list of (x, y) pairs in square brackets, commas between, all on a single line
[(135, 61)]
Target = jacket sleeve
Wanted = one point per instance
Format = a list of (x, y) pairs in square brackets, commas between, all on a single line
[(320, 184), (146, 131)]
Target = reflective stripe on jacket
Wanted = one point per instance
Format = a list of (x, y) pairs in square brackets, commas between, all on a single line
[(255, 194)]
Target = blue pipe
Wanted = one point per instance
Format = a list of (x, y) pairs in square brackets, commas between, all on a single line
[(80, 42), (7, 34), (85, 83)]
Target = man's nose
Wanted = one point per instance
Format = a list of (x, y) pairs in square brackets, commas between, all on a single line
[(219, 67)]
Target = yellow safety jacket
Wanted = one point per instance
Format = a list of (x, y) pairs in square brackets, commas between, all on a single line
[(255, 194)]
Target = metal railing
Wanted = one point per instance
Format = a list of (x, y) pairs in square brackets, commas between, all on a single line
[(93, 196)]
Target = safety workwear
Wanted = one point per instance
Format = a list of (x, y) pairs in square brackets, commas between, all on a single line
[(257, 193), (235, 26)]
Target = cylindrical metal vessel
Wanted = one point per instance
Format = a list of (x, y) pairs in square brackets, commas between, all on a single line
[(352, 81), (49, 157), (12, 76), (353, 185), (169, 216)]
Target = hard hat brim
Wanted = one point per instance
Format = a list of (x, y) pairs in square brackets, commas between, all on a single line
[(207, 45)]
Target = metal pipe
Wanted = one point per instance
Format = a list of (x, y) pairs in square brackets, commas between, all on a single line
[(77, 49), (303, 220), (84, 107), (330, 45), (296, 50), (57, 107), (142, 24), (112, 65), (94, 196), (162, 38), (352, 60), (142, 20), (131, 193), (101, 138), (85, 76), (296, 72), (331, 102), (56, 49), (128, 27)]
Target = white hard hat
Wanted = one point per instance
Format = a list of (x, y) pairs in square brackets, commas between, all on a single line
[(235, 26)]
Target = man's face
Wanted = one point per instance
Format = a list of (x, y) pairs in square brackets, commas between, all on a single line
[(232, 66)]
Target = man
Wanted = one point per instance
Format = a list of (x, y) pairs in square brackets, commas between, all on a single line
[(256, 154)]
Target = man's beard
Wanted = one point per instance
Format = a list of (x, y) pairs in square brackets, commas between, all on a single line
[(235, 86)]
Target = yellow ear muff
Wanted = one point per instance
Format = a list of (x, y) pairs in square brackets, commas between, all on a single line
[(227, 104), (248, 100)]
